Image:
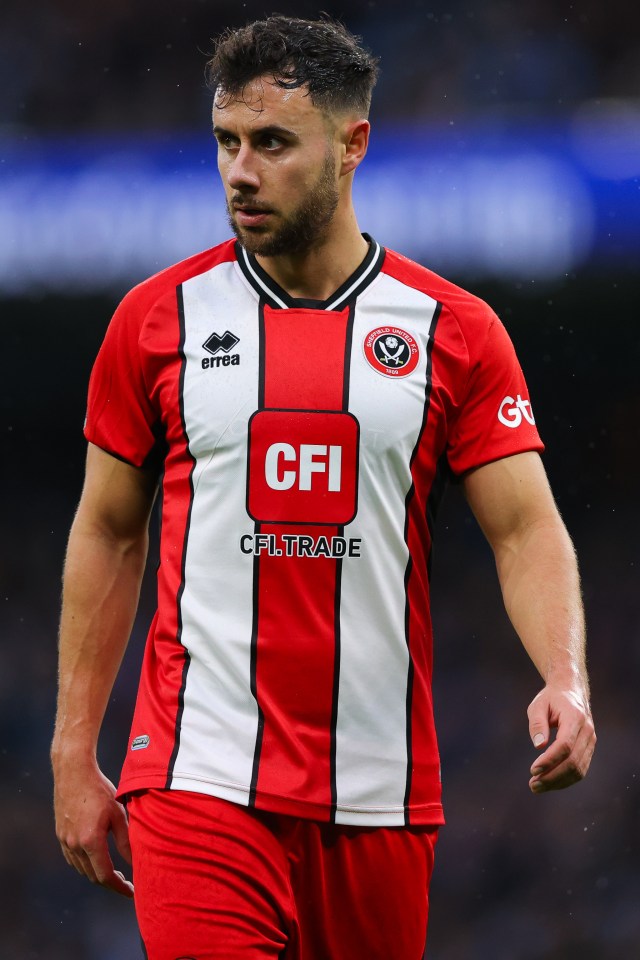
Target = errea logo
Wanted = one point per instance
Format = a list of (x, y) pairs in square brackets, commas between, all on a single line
[(217, 343), (512, 412)]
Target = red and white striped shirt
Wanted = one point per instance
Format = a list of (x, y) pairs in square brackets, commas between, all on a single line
[(305, 448)]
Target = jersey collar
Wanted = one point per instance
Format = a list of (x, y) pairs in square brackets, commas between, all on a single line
[(273, 294)]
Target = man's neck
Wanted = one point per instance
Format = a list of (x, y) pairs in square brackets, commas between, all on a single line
[(320, 271)]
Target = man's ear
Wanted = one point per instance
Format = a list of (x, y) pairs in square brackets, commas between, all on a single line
[(355, 140)]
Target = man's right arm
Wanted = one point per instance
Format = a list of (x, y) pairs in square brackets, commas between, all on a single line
[(103, 571)]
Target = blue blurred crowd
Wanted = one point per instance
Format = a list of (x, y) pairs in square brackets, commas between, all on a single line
[(71, 66)]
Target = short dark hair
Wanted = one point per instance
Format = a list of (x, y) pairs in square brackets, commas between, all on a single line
[(320, 54)]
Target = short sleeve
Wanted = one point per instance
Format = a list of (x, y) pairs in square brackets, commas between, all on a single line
[(495, 419), (120, 416)]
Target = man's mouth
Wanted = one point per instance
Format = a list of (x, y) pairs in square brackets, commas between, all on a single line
[(250, 215)]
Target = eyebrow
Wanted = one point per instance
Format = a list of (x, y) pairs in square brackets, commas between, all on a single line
[(271, 129)]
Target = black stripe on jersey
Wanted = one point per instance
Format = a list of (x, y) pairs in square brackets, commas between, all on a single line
[(259, 279), (187, 659), (336, 684), (360, 278), (338, 590), (256, 577), (438, 488), (254, 677), (261, 356), (427, 391), (407, 573), (346, 377), (410, 673), (278, 298)]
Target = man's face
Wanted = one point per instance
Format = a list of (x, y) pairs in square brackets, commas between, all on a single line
[(278, 166)]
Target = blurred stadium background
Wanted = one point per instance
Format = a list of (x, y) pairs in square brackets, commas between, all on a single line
[(506, 154)]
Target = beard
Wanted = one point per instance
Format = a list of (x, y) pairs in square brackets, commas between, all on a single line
[(303, 229)]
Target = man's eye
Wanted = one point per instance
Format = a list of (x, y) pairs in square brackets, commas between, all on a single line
[(271, 143)]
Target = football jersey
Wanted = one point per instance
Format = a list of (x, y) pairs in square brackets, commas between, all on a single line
[(305, 446)]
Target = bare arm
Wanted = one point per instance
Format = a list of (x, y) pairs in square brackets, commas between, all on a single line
[(103, 571), (540, 585)]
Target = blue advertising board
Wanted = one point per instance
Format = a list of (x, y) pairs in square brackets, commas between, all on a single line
[(527, 202)]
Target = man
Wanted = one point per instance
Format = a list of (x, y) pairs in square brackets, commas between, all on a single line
[(306, 391)]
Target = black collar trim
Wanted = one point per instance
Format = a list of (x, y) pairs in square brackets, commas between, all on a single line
[(273, 294)]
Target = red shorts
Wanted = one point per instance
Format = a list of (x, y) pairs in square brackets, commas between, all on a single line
[(217, 881)]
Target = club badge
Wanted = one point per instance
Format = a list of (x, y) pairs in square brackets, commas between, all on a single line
[(391, 351)]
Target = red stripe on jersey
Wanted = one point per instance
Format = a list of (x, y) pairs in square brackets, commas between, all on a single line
[(423, 748), (294, 677), (158, 707), (304, 364), (304, 358)]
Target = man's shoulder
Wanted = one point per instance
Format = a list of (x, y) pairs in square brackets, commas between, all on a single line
[(466, 308)]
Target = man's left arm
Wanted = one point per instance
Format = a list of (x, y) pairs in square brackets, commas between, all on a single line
[(540, 584)]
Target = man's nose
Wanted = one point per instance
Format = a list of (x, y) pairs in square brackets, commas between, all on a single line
[(243, 171)]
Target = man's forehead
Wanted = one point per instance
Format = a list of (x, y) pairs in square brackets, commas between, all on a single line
[(265, 95)]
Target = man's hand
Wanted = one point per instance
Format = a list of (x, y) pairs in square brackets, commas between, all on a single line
[(566, 760), (538, 574), (103, 571), (86, 811)]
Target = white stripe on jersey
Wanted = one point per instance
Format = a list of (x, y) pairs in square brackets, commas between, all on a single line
[(220, 717), (371, 734)]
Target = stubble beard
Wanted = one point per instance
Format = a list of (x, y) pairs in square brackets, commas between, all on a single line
[(304, 228)]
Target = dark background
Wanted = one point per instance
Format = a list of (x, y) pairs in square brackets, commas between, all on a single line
[(555, 877)]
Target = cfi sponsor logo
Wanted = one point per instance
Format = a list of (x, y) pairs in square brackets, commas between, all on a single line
[(391, 351), (303, 466), (220, 347), (512, 412)]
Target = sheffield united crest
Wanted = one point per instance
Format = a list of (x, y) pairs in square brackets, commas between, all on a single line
[(391, 351)]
